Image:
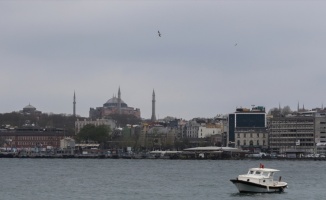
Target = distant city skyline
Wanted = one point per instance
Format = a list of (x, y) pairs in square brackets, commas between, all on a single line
[(153, 117), (209, 57)]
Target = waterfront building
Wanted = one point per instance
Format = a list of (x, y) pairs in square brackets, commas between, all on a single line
[(181, 131), (33, 137), (320, 126), (321, 148), (200, 128), (156, 136), (67, 142), (245, 118), (252, 139), (298, 131), (202, 132), (217, 140), (79, 124), (115, 105), (207, 130), (191, 129)]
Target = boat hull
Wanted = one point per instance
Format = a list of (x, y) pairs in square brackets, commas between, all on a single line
[(249, 187)]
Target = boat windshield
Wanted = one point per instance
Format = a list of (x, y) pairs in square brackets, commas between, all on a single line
[(265, 174), (260, 173)]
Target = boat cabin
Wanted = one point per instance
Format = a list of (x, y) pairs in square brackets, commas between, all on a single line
[(259, 175), (265, 173)]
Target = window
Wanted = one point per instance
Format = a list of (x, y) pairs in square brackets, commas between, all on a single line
[(244, 142), (251, 143)]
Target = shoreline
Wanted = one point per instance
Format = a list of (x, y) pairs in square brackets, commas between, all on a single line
[(96, 156)]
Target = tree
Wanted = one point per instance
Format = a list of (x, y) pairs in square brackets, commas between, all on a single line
[(277, 112), (286, 110), (101, 134), (43, 120), (86, 133), (273, 110), (90, 132), (122, 119)]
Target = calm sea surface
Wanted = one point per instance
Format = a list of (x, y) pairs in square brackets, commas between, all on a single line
[(53, 179)]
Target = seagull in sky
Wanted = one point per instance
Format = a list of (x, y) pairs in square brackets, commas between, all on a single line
[(235, 44), (159, 34)]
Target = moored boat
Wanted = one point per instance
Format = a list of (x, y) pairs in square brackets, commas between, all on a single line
[(259, 180)]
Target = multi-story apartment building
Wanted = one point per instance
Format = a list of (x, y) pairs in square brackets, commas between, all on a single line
[(191, 129), (207, 130), (320, 127)]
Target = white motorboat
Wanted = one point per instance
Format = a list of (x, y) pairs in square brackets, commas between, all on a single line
[(259, 180)]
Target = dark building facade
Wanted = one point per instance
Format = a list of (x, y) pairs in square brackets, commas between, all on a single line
[(245, 119)]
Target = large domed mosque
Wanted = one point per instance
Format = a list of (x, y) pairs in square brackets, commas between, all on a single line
[(30, 110), (115, 105)]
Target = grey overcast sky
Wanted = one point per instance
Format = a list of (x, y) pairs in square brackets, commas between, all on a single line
[(213, 56)]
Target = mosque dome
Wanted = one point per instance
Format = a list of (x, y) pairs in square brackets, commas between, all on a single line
[(114, 102), (29, 107)]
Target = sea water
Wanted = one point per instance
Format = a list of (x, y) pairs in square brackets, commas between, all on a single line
[(110, 179)]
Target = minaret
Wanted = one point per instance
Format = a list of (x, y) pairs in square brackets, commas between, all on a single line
[(279, 109), (74, 105), (153, 118), (119, 101)]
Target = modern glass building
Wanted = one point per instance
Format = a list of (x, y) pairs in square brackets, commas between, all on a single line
[(245, 118)]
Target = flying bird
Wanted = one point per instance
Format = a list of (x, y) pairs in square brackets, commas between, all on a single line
[(159, 34), (235, 44)]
